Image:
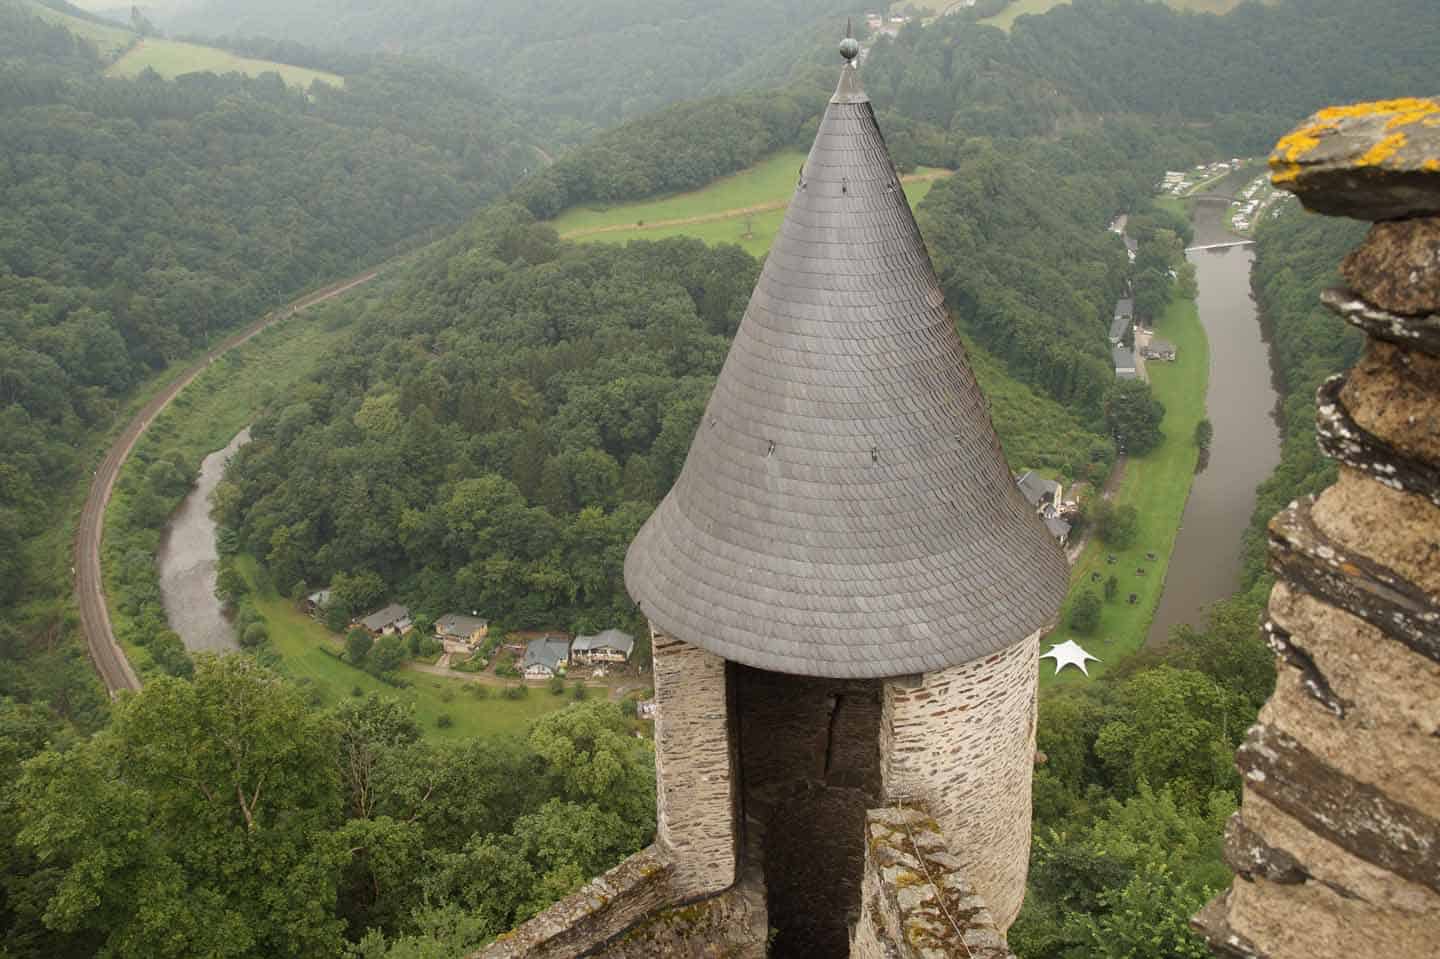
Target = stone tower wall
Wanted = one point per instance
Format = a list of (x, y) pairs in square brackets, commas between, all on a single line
[(1337, 843), (961, 742), (695, 767)]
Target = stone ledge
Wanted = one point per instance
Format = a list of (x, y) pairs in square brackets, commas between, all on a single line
[(601, 910), (916, 902), (1421, 332)]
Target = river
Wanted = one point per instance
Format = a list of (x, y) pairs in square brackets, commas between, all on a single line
[(1242, 405), (188, 562)]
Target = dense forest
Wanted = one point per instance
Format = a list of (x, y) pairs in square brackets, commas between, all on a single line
[(1248, 75), (227, 816), (142, 219), (597, 62), (494, 435)]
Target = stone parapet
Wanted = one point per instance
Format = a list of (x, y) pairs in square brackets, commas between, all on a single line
[(1336, 846), (916, 903), (961, 742), (600, 911)]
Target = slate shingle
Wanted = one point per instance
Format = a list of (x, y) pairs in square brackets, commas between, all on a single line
[(845, 509)]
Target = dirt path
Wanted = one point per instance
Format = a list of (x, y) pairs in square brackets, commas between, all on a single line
[(105, 651), (1112, 484), (730, 214)]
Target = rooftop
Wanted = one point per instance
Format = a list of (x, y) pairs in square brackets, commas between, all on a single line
[(845, 509), (381, 618), (613, 638)]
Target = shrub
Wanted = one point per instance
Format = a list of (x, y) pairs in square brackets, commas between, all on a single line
[(578, 691), (557, 686), (1112, 588), (444, 721), (1085, 614), (254, 635), (358, 644)]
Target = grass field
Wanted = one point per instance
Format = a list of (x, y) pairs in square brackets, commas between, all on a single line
[(308, 653), (171, 58), (1006, 18), (1157, 485), (718, 213)]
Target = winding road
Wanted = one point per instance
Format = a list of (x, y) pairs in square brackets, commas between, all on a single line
[(105, 651)]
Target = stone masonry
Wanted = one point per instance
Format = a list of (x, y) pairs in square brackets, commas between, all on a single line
[(1336, 846), (917, 904), (961, 742), (695, 769)]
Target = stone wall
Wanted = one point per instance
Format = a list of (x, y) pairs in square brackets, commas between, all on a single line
[(961, 742), (1337, 843), (731, 925), (810, 762), (601, 910), (695, 776), (917, 904)]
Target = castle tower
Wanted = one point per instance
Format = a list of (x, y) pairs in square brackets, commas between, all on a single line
[(844, 587)]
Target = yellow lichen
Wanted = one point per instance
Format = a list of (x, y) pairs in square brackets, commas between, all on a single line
[(1383, 150), (1404, 105), (1431, 165)]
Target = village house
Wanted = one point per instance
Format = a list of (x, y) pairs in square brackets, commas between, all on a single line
[(545, 658), (459, 633), (1039, 492), (315, 603), (392, 619), (1158, 349), (610, 646)]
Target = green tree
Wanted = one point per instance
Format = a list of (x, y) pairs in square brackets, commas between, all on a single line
[(208, 821), (1085, 613), (358, 643), (1204, 433), (389, 653), (1133, 415)]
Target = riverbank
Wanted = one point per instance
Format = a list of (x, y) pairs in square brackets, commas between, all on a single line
[(226, 396), (1157, 485)]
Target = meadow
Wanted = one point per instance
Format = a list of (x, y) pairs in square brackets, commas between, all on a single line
[(1006, 18), (310, 654), (132, 54), (171, 58), (1157, 485), (746, 208)]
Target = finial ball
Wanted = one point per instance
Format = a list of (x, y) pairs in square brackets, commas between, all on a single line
[(849, 48)]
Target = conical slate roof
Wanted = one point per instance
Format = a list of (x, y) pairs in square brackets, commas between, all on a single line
[(845, 509)]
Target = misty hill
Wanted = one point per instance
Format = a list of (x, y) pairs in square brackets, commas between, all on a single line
[(599, 61)]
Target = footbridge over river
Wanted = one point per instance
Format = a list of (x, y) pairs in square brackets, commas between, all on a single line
[(1219, 246)]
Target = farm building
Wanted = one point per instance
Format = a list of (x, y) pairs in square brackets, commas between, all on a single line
[(392, 619), (316, 602), (610, 646)]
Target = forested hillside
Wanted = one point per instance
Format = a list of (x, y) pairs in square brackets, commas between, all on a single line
[(494, 435), (1248, 74), (596, 61), (141, 219)]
